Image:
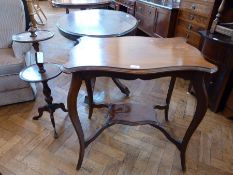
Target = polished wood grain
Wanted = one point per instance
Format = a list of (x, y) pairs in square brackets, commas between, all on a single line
[(31, 73), (136, 54), (156, 18), (27, 147), (194, 14), (173, 60), (217, 49), (100, 23), (25, 37)]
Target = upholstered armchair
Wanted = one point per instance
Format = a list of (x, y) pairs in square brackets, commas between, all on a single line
[(13, 56)]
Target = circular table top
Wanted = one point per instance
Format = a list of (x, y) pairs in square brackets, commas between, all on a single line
[(80, 3), (25, 37), (96, 23), (31, 73)]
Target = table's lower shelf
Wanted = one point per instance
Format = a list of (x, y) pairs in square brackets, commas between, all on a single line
[(131, 114)]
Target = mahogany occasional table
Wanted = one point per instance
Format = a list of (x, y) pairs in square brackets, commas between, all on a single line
[(41, 72), (97, 23), (100, 23), (131, 58), (80, 4)]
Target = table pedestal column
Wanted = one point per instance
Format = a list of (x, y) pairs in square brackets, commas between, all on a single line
[(50, 107)]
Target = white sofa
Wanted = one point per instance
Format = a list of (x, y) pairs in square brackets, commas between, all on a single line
[(13, 56)]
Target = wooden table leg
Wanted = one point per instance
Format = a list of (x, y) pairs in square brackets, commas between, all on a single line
[(90, 85), (75, 85), (168, 98), (50, 107), (201, 108), (121, 86)]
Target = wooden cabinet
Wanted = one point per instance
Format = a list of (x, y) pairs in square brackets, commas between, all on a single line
[(162, 21), (146, 16), (127, 6), (194, 16), (154, 20)]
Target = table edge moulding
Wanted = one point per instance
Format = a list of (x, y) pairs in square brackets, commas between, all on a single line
[(119, 58)]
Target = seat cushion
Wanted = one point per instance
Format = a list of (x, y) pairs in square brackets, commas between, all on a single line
[(16, 96), (10, 64), (12, 82), (12, 20)]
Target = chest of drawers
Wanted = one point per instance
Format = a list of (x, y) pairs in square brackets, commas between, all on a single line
[(194, 16)]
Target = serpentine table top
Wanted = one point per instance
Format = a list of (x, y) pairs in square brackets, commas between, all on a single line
[(136, 55), (131, 58)]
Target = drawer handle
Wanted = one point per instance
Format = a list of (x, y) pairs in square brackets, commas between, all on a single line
[(193, 6), (189, 27), (191, 17)]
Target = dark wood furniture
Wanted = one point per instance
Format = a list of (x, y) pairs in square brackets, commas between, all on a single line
[(41, 72), (80, 4), (228, 110), (218, 25), (218, 49), (127, 6), (123, 58), (156, 18), (194, 16), (100, 23)]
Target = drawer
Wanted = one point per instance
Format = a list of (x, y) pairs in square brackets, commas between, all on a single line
[(196, 8), (189, 26), (191, 37), (193, 18)]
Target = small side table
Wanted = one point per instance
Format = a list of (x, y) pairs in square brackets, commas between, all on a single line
[(41, 72)]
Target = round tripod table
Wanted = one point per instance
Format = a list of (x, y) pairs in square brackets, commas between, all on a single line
[(41, 72)]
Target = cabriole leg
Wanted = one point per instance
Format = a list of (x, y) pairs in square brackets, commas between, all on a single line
[(73, 114)]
